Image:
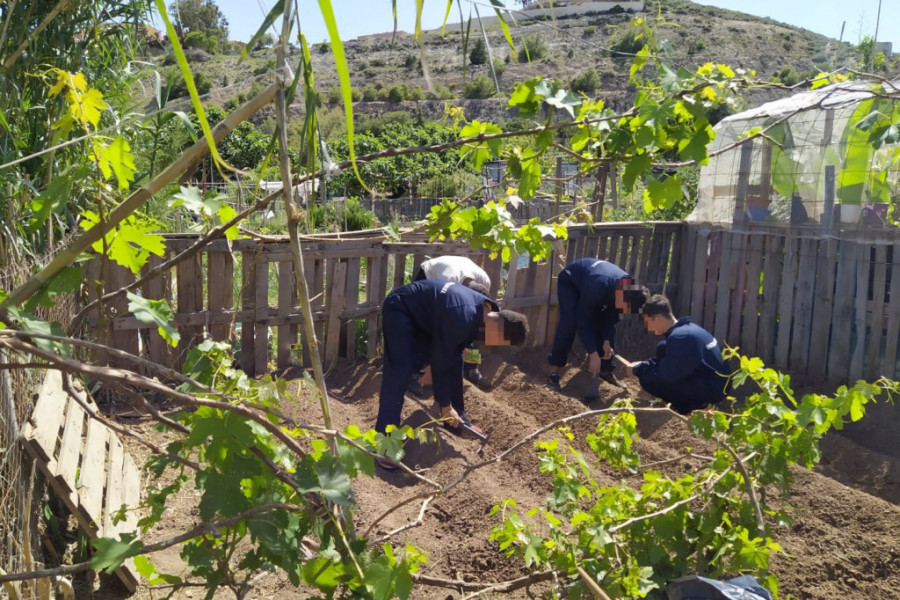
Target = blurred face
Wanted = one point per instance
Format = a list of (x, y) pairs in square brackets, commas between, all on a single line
[(621, 305), (493, 331), (655, 324)]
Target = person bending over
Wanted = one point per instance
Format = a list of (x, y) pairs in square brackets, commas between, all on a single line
[(592, 293), (438, 319), (688, 372), (458, 269)]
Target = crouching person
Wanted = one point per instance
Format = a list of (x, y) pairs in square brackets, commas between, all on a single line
[(440, 319), (688, 372)]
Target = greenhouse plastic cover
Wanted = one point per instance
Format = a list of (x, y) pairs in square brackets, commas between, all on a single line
[(807, 132)]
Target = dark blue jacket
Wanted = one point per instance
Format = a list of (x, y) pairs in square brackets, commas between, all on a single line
[(688, 370), (596, 281), (447, 316)]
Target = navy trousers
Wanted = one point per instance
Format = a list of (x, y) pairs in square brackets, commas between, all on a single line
[(402, 357), (569, 296)]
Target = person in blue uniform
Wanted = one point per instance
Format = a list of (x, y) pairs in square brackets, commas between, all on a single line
[(688, 371), (435, 320), (592, 293)]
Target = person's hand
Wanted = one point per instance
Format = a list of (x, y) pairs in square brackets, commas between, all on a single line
[(607, 350), (594, 364), (451, 416)]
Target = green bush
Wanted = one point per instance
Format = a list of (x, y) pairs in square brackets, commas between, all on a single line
[(398, 93), (586, 83), (479, 87), (352, 216), (369, 93), (479, 54), (533, 49)]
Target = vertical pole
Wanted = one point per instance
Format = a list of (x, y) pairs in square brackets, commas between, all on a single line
[(740, 213), (828, 212)]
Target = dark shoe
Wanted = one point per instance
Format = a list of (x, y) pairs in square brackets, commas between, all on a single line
[(553, 382), (386, 463), (610, 378), (414, 387), (475, 376)]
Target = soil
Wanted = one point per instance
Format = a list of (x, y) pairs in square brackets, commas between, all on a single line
[(844, 541)]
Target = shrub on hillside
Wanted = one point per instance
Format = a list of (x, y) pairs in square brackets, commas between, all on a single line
[(479, 87), (479, 54), (587, 83), (533, 49)]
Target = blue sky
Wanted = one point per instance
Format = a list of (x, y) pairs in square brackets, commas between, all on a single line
[(359, 17)]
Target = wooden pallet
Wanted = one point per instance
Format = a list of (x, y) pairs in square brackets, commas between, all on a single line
[(85, 463)]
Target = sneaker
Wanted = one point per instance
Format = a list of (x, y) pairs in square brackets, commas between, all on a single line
[(415, 387), (554, 381), (386, 463), (475, 376), (610, 378)]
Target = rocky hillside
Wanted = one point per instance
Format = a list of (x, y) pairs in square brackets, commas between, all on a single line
[(687, 34)]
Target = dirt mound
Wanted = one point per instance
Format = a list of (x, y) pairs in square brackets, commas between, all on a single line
[(844, 542)]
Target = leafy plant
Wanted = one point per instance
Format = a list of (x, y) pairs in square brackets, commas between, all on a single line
[(710, 521)]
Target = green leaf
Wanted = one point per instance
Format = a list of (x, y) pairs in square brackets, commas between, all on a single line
[(226, 214), (564, 100), (154, 312), (109, 554), (31, 324), (479, 152), (273, 14), (130, 244), (635, 168), (661, 195), (117, 157), (147, 570)]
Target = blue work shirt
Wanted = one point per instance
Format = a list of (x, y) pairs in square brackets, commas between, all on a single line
[(688, 370), (596, 316), (449, 316)]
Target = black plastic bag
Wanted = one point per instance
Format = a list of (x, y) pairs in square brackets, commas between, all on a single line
[(693, 587)]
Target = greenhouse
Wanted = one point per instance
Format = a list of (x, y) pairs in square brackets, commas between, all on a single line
[(825, 157)]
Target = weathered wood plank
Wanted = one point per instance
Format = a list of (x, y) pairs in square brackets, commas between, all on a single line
[(248, 303), (511, 276), (739, 290), (711, 290), (220, 289), (157, 289), (699, 268), (684, 281), (70, 448), (351, 300), (117, 278), (260, 329), (889, 364), (756, 247), (542, 283), (494, 269), (189, 289), (822, 308), (803, 305), (113, 500), (860, 311), (91, 479), (287, 334), (43, 427), (873, 358), (376, 282), (337, 288), (399, 270), (723, 281), (772, 269), (786, 302), (842, 317)]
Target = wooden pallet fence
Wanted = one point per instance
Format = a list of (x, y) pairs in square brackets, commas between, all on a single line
[(815, 306), (85, 463)]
